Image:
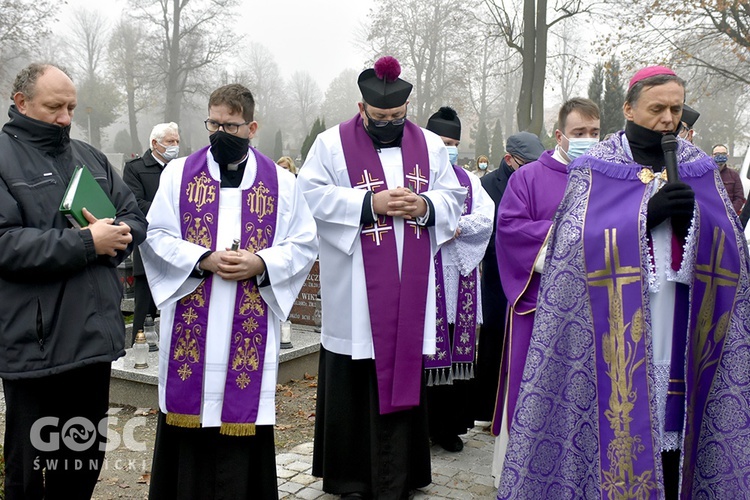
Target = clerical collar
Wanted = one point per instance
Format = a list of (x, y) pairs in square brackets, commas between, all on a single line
[(645, 144), (237, 166), (231, 175)]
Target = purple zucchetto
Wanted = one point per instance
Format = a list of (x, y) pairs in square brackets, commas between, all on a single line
[(648, 72)]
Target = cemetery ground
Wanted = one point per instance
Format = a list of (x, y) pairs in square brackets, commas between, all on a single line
[(127, 469)]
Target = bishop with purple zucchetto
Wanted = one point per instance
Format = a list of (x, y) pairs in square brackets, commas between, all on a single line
[(636, 382)]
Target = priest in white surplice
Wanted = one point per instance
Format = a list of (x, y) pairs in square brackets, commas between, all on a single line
[(230, 243), (384, 197)]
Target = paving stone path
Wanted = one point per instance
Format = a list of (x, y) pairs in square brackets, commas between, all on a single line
[(464, 475)]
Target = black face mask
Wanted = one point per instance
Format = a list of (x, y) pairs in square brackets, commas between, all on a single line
[(645, 144), (386, 134), (228, 148)]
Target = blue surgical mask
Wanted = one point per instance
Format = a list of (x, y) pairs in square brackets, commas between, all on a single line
[(721, 158), (579, 145), (452, 154)]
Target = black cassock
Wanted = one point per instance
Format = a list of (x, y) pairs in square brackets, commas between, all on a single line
[(201, 464), (356, 448)]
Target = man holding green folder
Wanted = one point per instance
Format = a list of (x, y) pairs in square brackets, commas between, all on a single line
[(60, 320)]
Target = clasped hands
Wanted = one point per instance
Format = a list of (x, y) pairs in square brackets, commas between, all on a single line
[(399, 202), (233, 265)]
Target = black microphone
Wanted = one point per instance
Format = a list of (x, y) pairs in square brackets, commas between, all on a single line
[(669, 146)]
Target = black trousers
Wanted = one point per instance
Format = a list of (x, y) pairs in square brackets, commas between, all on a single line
[(53, 445), (670, 461), (144, 304)]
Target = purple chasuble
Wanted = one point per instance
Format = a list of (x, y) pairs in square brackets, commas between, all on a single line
[(584, 425), (456, 361), (199, 213), (524, 218), (396, 303)]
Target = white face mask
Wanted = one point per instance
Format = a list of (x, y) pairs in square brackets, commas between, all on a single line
[(170, 152), (482, 166)]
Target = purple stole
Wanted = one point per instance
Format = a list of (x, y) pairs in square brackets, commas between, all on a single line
[(199, 213), (396, 304), (457, 362), (584, 425)]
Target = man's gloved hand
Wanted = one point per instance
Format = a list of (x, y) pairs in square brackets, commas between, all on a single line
[(674, 200)]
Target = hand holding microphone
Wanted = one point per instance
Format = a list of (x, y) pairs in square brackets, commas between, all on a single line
[(676, 199)]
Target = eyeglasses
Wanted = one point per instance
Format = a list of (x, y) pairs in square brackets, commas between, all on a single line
[(520, 162), (229, 128), (382, 123)]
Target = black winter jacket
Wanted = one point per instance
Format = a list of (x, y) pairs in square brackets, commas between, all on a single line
[(142, 177), (59, 301)]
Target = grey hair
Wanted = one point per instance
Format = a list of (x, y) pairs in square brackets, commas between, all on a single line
[(160, 130), (634, 92), (26, 79)]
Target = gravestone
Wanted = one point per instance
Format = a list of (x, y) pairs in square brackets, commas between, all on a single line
[(306, 309)]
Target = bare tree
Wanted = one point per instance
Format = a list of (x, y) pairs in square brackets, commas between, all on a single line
[(305, 96), (683, 31), (97, 97), (23, 25), (567, 61), (429, 37), (188, 36), (263, 77), (88, 41), (341, 97), (528, 35), (489, 72), (126, 62), (722, 102)]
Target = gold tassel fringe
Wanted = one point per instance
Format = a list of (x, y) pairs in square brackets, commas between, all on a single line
[(237, 429), (184, 420)]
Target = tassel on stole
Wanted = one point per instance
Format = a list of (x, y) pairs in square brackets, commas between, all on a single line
[(184, 420), (237, 429)]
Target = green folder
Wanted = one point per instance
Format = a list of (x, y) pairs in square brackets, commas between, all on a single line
[(84, 192)]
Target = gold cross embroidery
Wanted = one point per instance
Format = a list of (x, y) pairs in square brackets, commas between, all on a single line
[(712, 274), (617, 276)]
